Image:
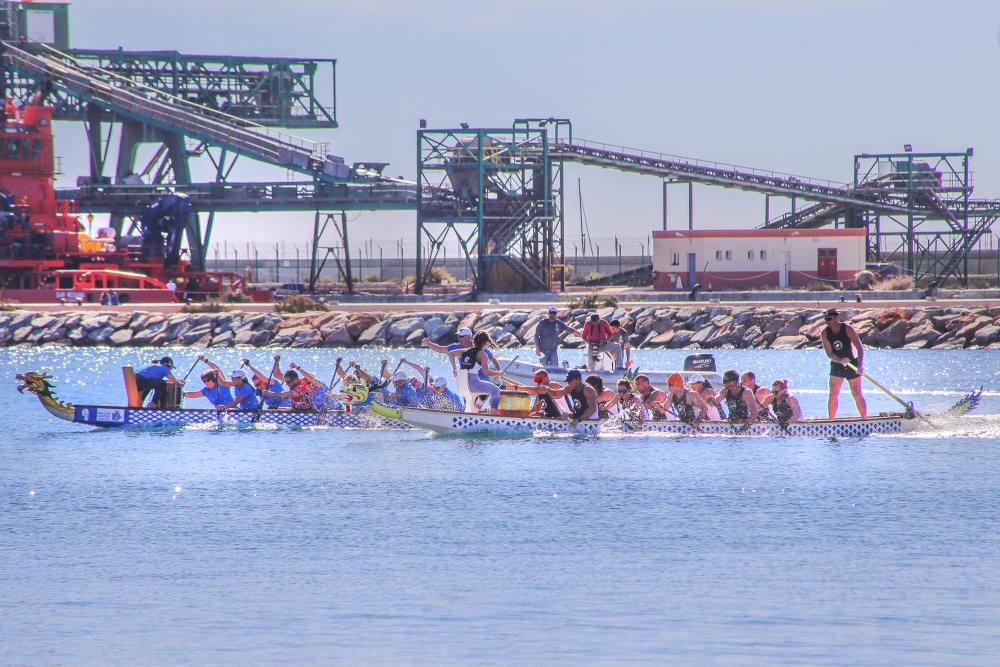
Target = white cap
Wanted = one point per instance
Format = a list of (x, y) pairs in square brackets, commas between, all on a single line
[(553, 309), (398, 376), (238, 374), (464, 332), (695, 377), (440, 382)]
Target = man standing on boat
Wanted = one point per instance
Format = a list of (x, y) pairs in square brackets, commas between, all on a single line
[(841, 341), (548, 334)]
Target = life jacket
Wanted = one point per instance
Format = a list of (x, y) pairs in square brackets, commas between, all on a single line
[(469, 361)]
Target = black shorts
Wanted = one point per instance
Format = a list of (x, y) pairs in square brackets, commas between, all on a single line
[(841, 371)]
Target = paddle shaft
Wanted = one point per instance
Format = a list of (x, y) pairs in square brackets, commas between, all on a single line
[(891, 395), (190, 369), (260, 405)]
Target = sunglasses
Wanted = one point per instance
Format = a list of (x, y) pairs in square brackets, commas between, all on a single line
[(830, 318), (622, 390)]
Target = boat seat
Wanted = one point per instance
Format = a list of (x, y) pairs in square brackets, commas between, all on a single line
[(131, 390), (473, 402)]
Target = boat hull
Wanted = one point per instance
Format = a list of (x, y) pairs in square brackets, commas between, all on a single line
[(117, 416), (462, 422)]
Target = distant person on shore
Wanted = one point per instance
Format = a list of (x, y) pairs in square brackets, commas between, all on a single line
[(843, 345), (155, 378), (548, 335), (105, 299), (785, 407), (114, 299)]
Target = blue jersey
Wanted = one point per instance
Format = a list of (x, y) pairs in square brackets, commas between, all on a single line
[(250, 401), (408, 396), (155, 372), (489, 355), (217, 395), (276, 401)]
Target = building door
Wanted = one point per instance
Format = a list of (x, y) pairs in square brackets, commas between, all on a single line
[(692, 270), (783, 262), (826, 263)]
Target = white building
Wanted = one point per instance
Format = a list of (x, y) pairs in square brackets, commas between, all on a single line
[(754, 258)]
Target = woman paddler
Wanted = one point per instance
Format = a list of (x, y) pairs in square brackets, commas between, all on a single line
[(475, 360), (687, 405), (299, 392), (784, 406)]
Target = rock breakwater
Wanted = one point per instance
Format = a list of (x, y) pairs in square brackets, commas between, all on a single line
[(713, 327)]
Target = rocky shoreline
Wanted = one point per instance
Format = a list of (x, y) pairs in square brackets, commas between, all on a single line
[(714, 327)]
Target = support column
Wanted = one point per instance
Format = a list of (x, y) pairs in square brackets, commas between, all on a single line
[(690, 205), (348, 277), (664, 204)]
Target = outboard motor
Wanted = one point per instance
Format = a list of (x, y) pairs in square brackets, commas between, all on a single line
[(700, 363)]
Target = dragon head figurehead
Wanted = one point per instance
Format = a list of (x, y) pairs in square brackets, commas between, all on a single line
[(39, 385), (355, 396)]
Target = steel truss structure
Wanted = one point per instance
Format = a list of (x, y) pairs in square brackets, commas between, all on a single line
[(499, 194)]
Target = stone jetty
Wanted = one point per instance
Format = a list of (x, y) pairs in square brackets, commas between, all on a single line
[(713, 327)]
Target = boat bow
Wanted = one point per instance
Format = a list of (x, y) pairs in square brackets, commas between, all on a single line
[(39, 385)]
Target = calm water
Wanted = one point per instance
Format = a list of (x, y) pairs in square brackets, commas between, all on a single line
[(365, 547)]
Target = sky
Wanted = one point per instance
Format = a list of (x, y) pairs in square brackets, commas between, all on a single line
[(791, 86)]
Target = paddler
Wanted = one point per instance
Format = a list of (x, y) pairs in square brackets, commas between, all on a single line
[(604, 395), (687, 405), (544, 405), (299, 391), (442, 398), (581, 397), (244, 397), (217, 394), (652, 398), (260, 383), (739, 401), (785, 407), (840, 341), (626, 402)]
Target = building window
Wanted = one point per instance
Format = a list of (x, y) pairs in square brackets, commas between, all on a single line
[(675, 260), (718, 254), (750, 255), (763, 254), (729, 254)]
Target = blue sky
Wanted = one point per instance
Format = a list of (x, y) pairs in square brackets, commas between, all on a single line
[(798, 87)]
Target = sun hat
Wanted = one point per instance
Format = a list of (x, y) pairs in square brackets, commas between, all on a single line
[(440, 382), (238, 374), (695, 377), (398, 376), (464, 332)]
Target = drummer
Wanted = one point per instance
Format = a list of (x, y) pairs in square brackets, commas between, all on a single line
[(155, 378)]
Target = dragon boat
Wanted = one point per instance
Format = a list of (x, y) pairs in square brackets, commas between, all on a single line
[(439, 421), (353, 416)]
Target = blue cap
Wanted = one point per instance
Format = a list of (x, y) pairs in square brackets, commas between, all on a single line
[(573, 375)]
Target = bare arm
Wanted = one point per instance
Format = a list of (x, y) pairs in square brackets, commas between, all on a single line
[(796, 408), (431, 345), (827, 348), (485, 361), (218, 372), (751, 403)]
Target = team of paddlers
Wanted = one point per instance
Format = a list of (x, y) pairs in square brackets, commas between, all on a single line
[(577, 397)]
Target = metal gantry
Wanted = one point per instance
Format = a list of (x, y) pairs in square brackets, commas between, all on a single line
[(498, 193)]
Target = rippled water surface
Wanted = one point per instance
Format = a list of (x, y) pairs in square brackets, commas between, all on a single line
[(205, 546)]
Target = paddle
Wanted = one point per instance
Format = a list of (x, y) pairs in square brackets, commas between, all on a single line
[(260, 405), (191, 369), (908, 406)]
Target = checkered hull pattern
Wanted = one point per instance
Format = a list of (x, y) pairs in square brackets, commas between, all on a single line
[(460, 422), (110, 416)]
